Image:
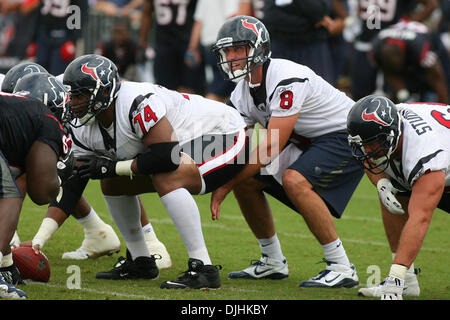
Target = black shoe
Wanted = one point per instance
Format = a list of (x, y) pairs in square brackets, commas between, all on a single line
[(139, 268), (11, 275), (198, 276)]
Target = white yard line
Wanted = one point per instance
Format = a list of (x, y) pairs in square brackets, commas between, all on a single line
[(295, 235), (113, 294), (106, 293)]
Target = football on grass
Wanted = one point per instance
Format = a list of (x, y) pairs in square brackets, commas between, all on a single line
[(31, 266)]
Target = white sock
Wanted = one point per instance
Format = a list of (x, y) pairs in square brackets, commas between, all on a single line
[(126, 213), (185, 215), (271, 247), (149, 233), (335, 252), (411, 268), (7, 260), (148, 227), (1, 258), (91, 221)]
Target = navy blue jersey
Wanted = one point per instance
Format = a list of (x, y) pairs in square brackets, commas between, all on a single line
[(420, 46), (376, 15), (55, 15), (24, 121), (174, 20)]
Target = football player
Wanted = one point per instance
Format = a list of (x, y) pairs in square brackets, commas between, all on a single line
[(7, 83), (99, 237), (414, 62), (315, 175), (42, 143), (130, 136), (405, 151), (376, 15)]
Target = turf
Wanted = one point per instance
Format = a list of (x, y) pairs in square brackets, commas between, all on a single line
[(232, 245)]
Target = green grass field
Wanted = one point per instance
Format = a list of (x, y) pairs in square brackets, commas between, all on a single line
[(232, 245)]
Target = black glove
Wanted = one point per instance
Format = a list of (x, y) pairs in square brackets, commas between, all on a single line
[(98, 167), (66, 167)]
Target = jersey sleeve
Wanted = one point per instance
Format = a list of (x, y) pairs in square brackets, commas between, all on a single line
[(53, 134), (288, 97), (422, 53), (145, 112), (435, 161)]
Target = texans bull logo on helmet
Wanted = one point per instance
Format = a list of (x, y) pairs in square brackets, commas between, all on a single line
[(60, 97), (97, 72), (254, 28), (381, 114)]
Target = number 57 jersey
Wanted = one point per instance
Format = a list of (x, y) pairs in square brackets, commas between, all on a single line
[(426, 143), (139, 106)]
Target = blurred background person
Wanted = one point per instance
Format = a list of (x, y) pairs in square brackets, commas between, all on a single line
[(17, 25), (299, 32), (376, 15), (209, 17), (58, 29), (414, 62), (121, 49), (131, 9), (172, 23), (254, 8)]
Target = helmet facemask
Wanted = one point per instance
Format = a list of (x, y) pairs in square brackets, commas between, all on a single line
[(94, 84), (250, 63), (376, 160), (247, 32), (374, 126), (96, 100)]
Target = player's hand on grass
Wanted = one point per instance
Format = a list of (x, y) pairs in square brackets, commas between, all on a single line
[(217, 198)]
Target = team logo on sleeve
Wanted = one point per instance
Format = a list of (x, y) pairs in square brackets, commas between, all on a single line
[(381, 114)]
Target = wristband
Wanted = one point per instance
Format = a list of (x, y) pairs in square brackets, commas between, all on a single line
[(46, 230), (123, 168)]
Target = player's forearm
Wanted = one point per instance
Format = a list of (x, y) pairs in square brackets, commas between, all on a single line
[(412, 238), (194, 41), (146, 23), (264, 153), (436, 80)]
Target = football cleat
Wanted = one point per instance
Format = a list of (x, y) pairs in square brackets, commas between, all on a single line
[(9, 291), (334, 276), (411, 288), (392, 288), (158, 249), (96, 243), (265, 268), (127, 268), (11, 275), (198, 276)]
